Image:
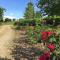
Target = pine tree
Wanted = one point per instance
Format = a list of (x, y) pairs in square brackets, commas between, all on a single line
[(29, 12)]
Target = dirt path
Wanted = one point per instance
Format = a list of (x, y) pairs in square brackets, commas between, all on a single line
[(6, 41), (23, 49)]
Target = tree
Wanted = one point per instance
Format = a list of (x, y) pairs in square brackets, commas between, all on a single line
[(29, 12), (7, 20), (50, 7), (38, 14), (1, 13)]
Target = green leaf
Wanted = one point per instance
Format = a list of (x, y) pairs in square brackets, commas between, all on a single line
[(53, 57), (52, 39), (38, 53), (33, 41)]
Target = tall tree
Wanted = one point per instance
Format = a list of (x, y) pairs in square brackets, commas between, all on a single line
[(50, 7), (29, 11), (1, 13)]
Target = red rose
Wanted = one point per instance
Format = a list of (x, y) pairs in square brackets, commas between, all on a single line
[(45, 56), (51, 47), (49, 33), (44, 35), (44, 38), (42, 57)]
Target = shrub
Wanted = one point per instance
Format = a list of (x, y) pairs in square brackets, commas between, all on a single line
[(28, 22), (34, 34), (51, 41), (54, 21)]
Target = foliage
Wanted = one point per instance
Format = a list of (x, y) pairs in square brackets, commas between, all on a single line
[(51, 41), (38, 21), (25, 22), (34, 34), (29, 12), (7, 20), (1, 13), (50, 7), (38, 15), (53, 21)]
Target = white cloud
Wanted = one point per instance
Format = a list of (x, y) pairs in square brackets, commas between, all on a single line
[(11, 17)]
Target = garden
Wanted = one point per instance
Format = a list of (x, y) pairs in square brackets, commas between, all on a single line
[(38, 33), (42, 33), (44, 38)]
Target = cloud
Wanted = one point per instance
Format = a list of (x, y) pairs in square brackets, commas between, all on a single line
[(11, 17)]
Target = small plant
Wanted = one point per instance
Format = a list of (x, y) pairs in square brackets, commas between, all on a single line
[(34, 34)]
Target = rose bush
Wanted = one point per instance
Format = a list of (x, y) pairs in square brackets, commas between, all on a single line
[(52, 42)]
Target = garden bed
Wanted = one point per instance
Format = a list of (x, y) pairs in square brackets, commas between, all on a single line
[(30, 46)]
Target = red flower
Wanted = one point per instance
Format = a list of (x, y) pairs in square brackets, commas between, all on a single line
[(42, 57), (51, 47), (44, 35), (49, 33), (45, 56)]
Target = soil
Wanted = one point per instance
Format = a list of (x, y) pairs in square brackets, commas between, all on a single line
[(23, 50)]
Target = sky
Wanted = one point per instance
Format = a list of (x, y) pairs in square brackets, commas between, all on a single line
[(15, 8)]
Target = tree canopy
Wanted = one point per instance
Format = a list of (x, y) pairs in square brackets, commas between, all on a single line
[(50, 7), (1, 13)]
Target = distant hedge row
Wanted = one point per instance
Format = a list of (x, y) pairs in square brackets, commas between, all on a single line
[(48, 21), (52, 21), (26, 22)]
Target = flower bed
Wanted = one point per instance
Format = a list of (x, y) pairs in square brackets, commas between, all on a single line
[(50, 40)]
